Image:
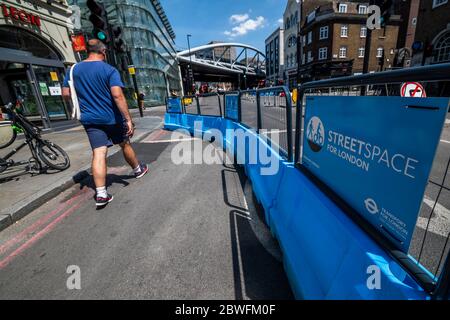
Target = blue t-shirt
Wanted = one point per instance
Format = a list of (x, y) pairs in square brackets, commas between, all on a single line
[(93, 81)]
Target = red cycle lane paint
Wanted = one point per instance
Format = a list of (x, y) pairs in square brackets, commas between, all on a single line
[(42, 233), (41, 221)]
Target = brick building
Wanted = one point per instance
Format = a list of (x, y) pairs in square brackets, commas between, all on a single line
[(333, 40), (432, 33)]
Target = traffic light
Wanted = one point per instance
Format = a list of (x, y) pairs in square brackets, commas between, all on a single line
[(99, 20), (119, 44)]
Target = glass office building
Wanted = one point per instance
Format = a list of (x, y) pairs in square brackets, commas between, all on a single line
[(150, 41)]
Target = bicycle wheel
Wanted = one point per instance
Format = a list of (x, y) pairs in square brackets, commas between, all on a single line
[(53, 155), (7, 134)]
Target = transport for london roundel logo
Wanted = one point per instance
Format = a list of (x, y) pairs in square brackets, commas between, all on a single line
[(315, 134)]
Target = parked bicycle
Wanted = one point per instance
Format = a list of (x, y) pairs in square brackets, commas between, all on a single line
[(44, 154)]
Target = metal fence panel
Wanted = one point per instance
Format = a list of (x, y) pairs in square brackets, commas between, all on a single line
[(190, 105), (430, 246), (276, 112), (249, 109), (210, 105)]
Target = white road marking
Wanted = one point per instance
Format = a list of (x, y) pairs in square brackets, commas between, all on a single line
[(440, 223), (445, 141), (171, 140)]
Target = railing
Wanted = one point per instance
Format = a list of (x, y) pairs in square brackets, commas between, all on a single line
[(190, 105), (271, 109), (209, 104), (268, 111), (275, 113), (435, 253)]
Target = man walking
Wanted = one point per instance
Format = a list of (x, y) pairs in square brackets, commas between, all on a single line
[(103, 113)]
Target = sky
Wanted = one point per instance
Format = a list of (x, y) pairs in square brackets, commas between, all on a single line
[(244, 21)]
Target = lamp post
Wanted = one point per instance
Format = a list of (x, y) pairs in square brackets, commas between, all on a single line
[(191, 73)]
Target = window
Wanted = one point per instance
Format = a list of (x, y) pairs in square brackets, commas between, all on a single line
[(323, 53), (442, 49), (344, 31), (362, 9), (361, 52), (437, 3), (292, 41), (342, 8), (303, 58), (310, 57), (310, 37), (304, 40), (288, 24), (363, 32), (323, 33), (380, 52), (343, 52)]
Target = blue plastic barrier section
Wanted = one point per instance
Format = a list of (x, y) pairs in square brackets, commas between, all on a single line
[(326, 255)]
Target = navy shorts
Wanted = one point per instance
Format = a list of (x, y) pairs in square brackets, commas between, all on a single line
[(106, 135)]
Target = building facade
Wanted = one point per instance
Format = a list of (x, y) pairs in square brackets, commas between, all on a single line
[(35, 49), (333, 40), (409, 11), (432, 41), (149, 40), (275, 58), (291, 18)]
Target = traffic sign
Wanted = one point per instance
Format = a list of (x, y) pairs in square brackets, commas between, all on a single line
[(413, 90)]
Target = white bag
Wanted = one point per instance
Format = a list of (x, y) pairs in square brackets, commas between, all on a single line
[(76, 113)]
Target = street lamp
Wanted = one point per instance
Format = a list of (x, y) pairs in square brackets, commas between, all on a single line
[(191, 73)]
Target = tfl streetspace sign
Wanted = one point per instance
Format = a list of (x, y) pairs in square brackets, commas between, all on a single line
[(376, 153), (232, 107)]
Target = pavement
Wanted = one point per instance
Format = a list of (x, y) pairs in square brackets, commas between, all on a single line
[(181, 232), (22, 192)]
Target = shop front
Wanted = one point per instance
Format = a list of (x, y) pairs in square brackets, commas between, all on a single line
[(35, 50)]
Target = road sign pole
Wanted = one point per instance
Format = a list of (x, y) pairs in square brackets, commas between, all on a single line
[(132, 73)]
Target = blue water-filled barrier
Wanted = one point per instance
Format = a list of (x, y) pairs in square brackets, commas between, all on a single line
[(326, 255)]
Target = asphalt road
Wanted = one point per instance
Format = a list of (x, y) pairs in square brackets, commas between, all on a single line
[(182, 232)]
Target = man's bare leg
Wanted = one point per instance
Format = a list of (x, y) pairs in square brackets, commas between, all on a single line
[(99, 170), (99, 166), (129, 154)]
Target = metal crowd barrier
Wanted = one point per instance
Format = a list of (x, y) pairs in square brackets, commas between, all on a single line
[(267, 110), (387, 84), (209, 104)]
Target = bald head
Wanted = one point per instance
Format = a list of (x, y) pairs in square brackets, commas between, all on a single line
[(95, 46)]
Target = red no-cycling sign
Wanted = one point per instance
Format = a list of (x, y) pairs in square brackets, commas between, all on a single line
[(413, 90)]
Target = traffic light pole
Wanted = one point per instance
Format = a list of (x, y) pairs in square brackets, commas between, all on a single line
[(112, 54), (135, 84)]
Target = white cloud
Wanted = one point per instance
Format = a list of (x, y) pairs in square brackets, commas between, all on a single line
[(239, 18), (244, 25)]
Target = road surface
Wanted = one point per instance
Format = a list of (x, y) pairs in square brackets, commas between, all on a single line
[(181, 232)]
